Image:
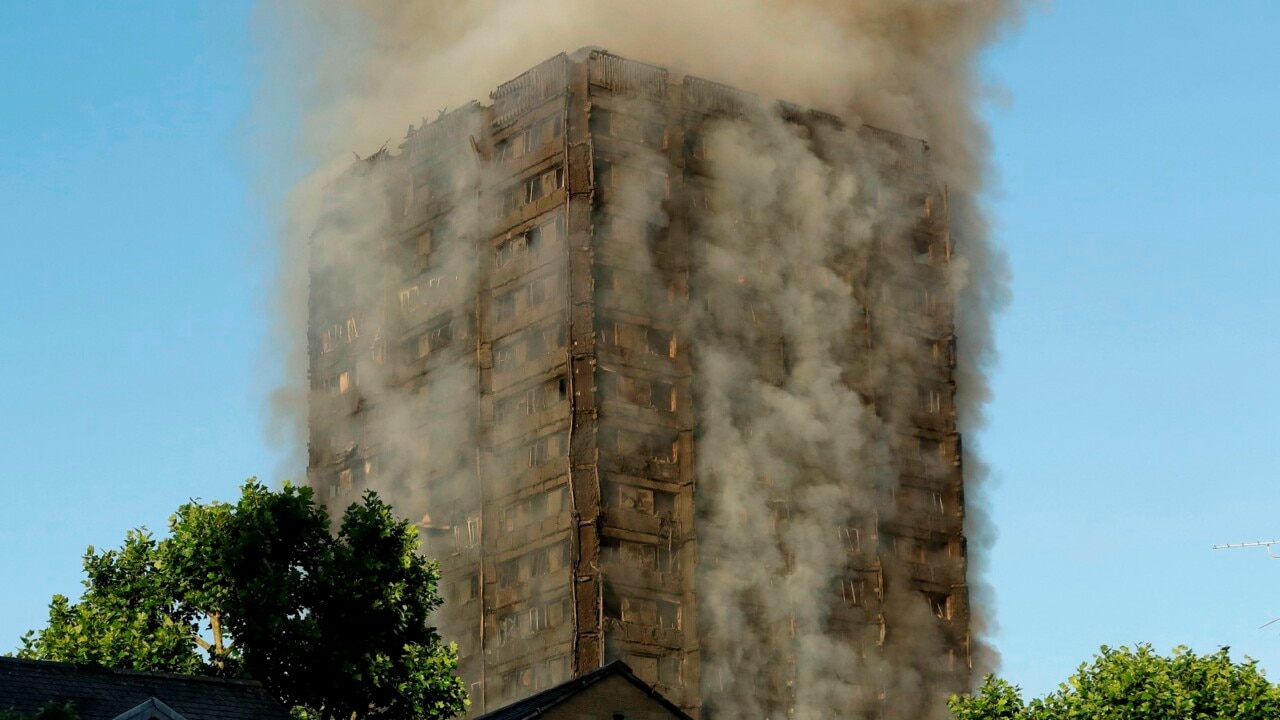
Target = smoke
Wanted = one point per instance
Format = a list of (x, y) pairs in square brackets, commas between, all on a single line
[(789, 216)]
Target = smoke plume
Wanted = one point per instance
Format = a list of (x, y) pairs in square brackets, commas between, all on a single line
[(798, 426)]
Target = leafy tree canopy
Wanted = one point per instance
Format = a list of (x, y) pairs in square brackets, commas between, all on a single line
[(334, 626), (1136, 684)]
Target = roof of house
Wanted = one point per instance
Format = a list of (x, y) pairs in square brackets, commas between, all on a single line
[(99, 693), (536, 705)]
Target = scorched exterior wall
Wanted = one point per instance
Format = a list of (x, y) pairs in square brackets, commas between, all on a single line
[(551, 462)]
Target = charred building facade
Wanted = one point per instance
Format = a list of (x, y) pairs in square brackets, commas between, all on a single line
[(532, 330)]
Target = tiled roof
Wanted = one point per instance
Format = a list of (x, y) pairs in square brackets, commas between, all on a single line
[(102, 694), (536, 705)]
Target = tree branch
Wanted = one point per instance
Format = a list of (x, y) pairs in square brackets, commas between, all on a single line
[(215, 624)]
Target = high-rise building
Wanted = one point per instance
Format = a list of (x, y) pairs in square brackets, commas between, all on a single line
[(548, 329)]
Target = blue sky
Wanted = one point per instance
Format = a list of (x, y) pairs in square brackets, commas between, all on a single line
[(1133, 424)]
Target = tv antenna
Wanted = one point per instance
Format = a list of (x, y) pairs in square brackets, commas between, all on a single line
[(1270, 545), (1271, 553)]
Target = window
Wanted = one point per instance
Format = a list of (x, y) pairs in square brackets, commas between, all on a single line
[(504, 358), (538, 291), (657, 448), (543, 185), (603, 172), (557, 670), (695, 145), (657, 239), (370, 468), (552, 231), (517, 681), (539, 451), (467, 589), (662, 342), (636, 499), (635, 554), (852, 538), (344, 480), (473, 529), (926, 302), (345, 382), (508, 573), (408, 298), (655, 135), (910, 550), (645, 667), (853, 591), (939, 604), (670, 670), (502, 410), (640, 611), (505, 306), (511, 250), (601, 121), (930, 401), (668, 615), (424, 244), (557, 612)]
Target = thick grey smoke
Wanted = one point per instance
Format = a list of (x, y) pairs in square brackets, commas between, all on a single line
[(796, 425)]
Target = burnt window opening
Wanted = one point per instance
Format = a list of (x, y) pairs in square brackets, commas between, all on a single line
[(537, 452), (540, 340), (409, 298), (338, 384), (543, 185), (928, 450), (926, 302), (852, 538), (663, 449), (939, 604), (657, 239), (662, 556), (534, 400), (639, 338), (655, 135), (695, 145), (531, 139), (533, 564), (424, 244), (652, 394), (854, 591), (646, 501), (602, 171), (930, 401), (601, 121), (534, 509)]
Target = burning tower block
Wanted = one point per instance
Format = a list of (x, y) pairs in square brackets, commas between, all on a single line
[(666, 374)]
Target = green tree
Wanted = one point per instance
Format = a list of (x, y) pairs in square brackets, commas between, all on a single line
[(1136, 684), (336, 626)]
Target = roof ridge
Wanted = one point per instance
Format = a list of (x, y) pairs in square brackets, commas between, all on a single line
[(104, 670)]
